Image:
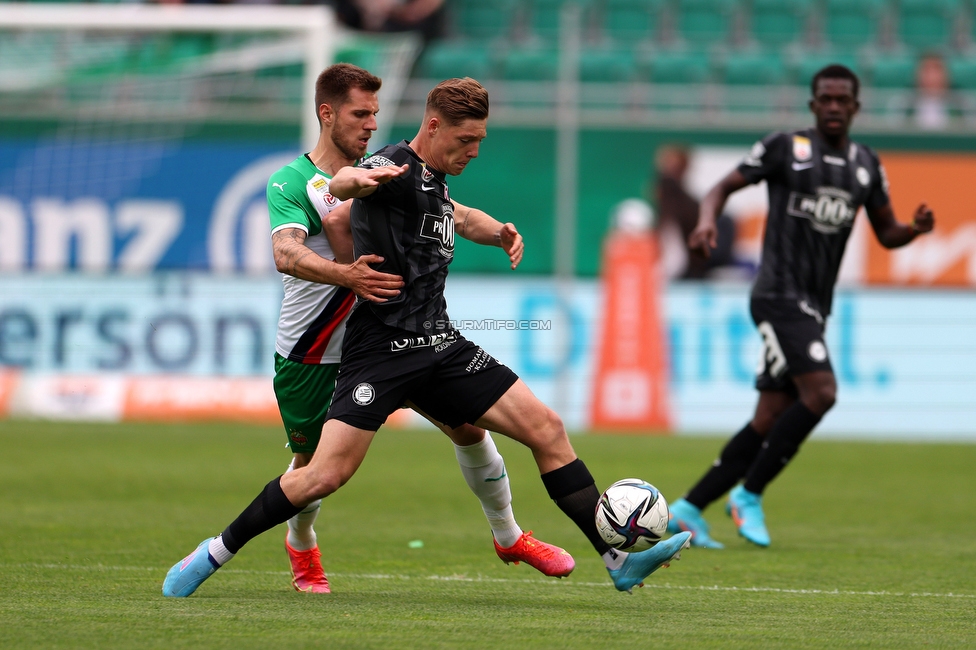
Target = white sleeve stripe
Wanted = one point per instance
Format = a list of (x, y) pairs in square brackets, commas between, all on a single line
[(300, 226)]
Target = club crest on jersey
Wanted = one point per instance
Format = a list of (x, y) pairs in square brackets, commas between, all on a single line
[(320, 186), (801, 148), (441, 230), (363, 394), (863, 176)]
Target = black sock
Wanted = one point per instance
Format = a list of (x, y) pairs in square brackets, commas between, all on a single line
[(732, 464), (782, 443), (574, 491), (268, 509)]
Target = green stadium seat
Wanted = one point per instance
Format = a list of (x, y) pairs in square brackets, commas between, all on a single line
[(852, 24), (677, 67), (530, 64), (546, 16), (607, 65), (446, 60), (631, 21), (754, 68), (779, 22), (962, 73), (704, 22), (893, 72), (482, 19), (927, 24), (811, 63)]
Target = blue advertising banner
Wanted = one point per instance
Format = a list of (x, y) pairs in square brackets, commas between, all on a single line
[(137, 206), (905, 360)]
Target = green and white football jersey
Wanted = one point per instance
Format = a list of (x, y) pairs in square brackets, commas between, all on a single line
[(313, 315)]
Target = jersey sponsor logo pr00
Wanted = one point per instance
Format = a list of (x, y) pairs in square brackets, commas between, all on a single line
[(829, 210)]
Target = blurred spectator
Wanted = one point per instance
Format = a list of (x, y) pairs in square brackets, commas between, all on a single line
[(423, 16), (932, 89), (677, 217)]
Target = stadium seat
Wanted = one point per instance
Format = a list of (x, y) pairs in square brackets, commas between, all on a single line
[(893, 72), (677, 67), (927, 24), (546, 16), (811, 63), (962, 73), (631, 21), (607, 65), (705, 22), (530, 64), (778, 22), (446, 60), (754, 68), (482, 19), (852, 24)]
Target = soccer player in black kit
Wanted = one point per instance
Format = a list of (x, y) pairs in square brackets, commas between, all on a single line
[(818, 179), (406, 350)]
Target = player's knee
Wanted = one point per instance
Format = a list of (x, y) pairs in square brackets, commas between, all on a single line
[(822, 399), (323, 483), (550, 428)]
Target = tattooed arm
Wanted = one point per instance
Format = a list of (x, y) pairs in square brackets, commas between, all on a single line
[(293, 257)]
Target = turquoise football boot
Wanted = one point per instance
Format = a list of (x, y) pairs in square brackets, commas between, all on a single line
[(190, 572), (745, 508), (685, 516), (638, 566)]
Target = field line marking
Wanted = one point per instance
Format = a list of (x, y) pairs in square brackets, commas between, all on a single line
[(464, 578)]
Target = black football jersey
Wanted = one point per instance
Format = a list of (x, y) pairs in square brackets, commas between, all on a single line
[(815, 192), (409, 221)]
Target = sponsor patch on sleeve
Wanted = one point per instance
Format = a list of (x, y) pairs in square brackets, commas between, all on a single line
[(377, 161)]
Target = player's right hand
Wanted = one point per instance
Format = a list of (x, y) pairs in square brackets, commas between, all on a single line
[(704, 237), (371, 285)]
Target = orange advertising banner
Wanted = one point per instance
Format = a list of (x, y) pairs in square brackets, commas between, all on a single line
[(946, 256), (8, 382), (631, 382), (172, 398)]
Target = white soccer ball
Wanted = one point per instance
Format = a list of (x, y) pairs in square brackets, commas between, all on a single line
[(632, 515)]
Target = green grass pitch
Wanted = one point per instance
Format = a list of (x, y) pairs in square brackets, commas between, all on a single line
[(873, 546)]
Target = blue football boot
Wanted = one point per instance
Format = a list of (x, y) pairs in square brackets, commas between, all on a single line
[(745, 508), (685, 516), (190, 572), (638, 566)]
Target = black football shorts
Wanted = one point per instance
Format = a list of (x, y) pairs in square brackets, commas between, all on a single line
[(793, 342), (448, 377)]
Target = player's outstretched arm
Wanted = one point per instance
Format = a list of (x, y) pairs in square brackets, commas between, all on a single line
[(357, 182), (893, 234), (481, 228), (705, 235), (339, 232), (294, 258)]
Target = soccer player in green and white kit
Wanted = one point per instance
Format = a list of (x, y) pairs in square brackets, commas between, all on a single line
[(319, 294)]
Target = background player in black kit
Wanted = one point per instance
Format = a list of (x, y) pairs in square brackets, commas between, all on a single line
[(818, 179), (407, 350)]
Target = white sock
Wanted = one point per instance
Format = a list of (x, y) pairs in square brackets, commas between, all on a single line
[(483, 469), (301, 534), (218, 551), (614, 559)]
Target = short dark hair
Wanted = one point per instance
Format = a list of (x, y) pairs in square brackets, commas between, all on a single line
[(334, 83), (836, 71), (459, 99)]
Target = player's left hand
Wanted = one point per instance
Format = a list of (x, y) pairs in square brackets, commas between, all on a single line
[(511, 242), (924, 220)]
